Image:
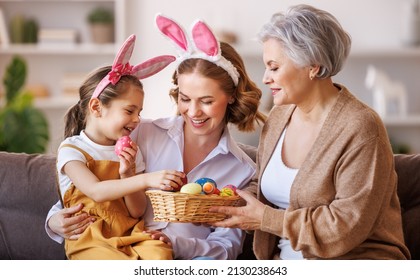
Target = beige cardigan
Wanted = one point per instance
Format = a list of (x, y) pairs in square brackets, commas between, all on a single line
[(343, 201)]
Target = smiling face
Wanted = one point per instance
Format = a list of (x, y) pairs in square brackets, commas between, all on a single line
[(119, 118), (202, 104), (289, 83)]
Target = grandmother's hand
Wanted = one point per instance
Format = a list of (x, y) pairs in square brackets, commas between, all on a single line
[(246, 217)]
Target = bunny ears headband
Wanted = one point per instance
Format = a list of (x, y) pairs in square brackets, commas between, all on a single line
[(204, 46), (122, 67)]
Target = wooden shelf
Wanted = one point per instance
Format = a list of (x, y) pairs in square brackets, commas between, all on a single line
[(6, 1), (413, 120), (59, 49), (254, 49), (59, 103), (388, 52), (250, 50)]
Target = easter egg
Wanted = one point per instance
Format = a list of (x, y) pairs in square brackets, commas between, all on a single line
[(208, 185), (123, 142), (210, 188), (228, 190), (204, 180), (231, 187), (191, 188), (184, 182)]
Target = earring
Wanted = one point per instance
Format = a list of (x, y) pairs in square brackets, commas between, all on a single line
[(311, 75)]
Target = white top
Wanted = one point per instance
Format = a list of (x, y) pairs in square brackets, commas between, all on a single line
[(162, 143), (96, 151), (276, 183)]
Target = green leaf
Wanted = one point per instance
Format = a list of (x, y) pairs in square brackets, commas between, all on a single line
[(23, 128), (25, 131), (22, 101), (14, 77), (100, 15)]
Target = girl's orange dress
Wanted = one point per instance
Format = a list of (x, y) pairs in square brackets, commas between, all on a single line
[(115, 235)]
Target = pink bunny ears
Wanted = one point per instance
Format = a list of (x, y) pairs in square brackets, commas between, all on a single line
[(122, 67), (205, 46)]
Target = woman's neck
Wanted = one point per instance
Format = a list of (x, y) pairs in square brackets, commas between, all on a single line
[(197, 148), (316, 108)]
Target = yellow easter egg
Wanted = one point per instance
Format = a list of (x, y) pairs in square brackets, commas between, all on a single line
[(191, 188), (226, 192)]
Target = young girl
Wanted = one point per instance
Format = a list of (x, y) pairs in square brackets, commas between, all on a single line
[(90, 172)]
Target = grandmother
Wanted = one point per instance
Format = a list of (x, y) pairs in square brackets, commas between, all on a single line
[(325, 186)]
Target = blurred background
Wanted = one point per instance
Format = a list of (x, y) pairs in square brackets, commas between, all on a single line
[(59, 42)]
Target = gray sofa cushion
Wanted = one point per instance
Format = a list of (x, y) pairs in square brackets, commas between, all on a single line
[(27, 191), (408, 169)]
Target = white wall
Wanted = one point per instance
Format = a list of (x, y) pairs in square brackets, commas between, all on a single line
[(370, 22)]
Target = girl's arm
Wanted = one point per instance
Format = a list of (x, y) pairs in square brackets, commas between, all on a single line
[(101, 191), (131, 161), (136, 203)]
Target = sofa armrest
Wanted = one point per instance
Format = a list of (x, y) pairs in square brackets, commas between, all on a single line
[(27, 191), (408, 171)]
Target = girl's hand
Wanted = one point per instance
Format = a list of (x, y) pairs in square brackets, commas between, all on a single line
[(165, 179), (158, 235), (128, 161), (68, 226), (247, 217)]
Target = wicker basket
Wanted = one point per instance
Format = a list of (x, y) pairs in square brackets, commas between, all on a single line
[(188, 208)]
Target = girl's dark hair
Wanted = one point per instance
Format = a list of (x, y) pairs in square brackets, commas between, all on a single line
[(75, 119), (244, 111)]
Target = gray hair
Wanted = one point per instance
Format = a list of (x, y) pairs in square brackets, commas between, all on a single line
[(309, 37)]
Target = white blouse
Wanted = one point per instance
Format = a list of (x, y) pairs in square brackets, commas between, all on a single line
[(226, 164)]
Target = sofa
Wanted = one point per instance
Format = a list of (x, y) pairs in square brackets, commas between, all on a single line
[(28, 189)]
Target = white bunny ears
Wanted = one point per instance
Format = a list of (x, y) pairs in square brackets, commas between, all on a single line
[(205, 45), (122, 67)]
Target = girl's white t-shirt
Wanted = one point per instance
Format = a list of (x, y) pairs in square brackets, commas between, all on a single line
[(96, 151)]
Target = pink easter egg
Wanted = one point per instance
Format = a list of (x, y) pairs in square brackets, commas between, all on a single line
[(123, 142), (184, 182)]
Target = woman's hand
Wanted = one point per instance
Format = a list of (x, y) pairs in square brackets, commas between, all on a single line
[(247, 217), (158, 235), (68, 226)]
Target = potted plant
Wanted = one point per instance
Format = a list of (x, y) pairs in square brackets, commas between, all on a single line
[(23, 128), (101, 22)]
